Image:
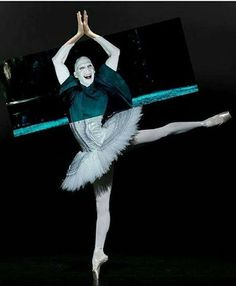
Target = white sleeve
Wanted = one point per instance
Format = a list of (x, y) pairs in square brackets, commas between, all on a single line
[(59, 59), (112, 51)]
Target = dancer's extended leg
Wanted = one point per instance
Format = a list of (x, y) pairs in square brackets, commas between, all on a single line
[(150, 135)]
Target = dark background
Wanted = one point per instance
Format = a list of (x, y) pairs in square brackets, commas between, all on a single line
[(172, 197)]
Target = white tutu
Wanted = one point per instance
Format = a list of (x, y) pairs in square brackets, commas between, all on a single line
[(101, 145)]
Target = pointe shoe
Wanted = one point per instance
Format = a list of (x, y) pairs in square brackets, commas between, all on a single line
[(98, 260), (217, 119)]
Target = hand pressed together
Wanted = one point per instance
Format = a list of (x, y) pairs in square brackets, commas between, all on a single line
[(80, 31), (83, 27)]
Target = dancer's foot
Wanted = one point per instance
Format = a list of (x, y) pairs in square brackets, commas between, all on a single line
[(98, 259), (217, 119)]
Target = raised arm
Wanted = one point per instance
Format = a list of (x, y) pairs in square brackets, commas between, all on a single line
[(112, 51), (59, 59)]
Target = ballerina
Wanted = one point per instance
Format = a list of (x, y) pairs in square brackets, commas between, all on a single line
[(102, 129)]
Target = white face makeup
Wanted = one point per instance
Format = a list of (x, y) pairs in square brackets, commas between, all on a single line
[(84, 71)]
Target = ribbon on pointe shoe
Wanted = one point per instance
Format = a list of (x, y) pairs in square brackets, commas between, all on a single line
[(97, 263)]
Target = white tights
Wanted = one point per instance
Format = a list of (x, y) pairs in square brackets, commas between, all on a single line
[(102, 187), (150, 135), (102, 191)]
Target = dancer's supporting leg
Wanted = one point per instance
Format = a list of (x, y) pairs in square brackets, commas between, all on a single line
[(150, 135), (102, 190)]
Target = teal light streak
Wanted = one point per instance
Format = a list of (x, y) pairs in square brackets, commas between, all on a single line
[(164, 94), (141, 100), (40, 126)]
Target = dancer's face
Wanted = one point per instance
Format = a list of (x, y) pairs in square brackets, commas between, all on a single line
[(84, 71)]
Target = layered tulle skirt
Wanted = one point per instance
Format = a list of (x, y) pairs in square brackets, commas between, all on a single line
[(101, 145)]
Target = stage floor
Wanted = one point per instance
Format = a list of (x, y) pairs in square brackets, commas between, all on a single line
[(119, 270)]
